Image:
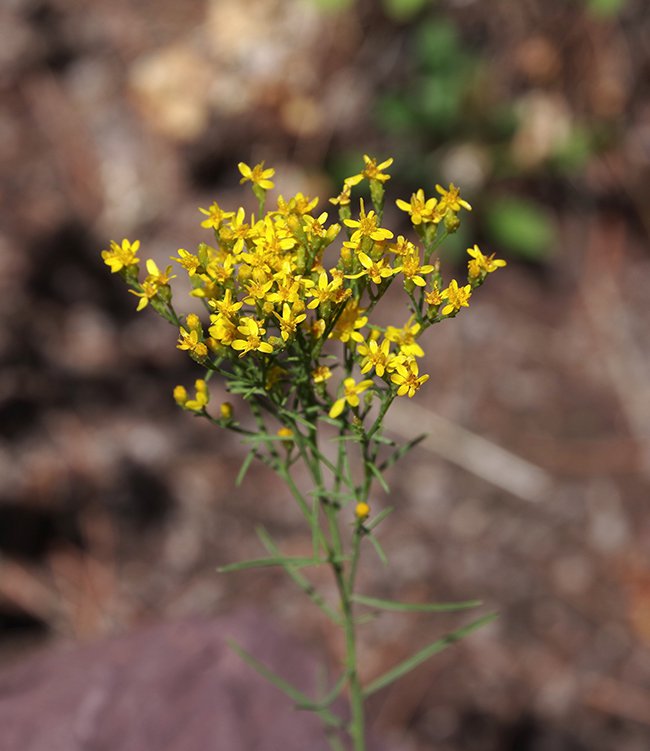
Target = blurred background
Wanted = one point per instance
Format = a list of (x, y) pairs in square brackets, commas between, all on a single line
[(532, 493)]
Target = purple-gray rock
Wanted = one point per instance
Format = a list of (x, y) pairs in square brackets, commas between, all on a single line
[(171, 687)]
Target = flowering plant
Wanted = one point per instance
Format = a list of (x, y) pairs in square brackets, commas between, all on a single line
[(289, 325)]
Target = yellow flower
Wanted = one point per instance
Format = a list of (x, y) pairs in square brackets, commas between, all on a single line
[(257, 291), (351, 391), (152, 283), (362, 511), (252, 342), (321, 374), (434, 297), (257, 175), (190, 341), (237, 232), (147, 292), (188, 261), (482, 265), (324, 291), (412, 270), (457, 297), (223, 330), (376, 270), (226, 410), (290, 319), (405, 338), (216, 215), (402, 246), (366, 226), (299, 204), (374, 356), (450, 199), (348, 322), (407, 378), (226, 307), (419, 209), (316, 228), (371, 171), (288, 289), (122, 256), (343, 198)]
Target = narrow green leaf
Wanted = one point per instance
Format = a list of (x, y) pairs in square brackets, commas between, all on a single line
[(287, 688), (328, 698), (330, 421), (419, 657), (378, 549), (244, 468), (297, 418), (408, 607), (302, 581), (279, 560), (380, 517), (380, 478), (263, 438), (401, 451), (332, 495), (379, 438)]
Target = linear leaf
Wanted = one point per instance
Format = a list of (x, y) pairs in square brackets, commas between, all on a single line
[(279, 560), (408, 607), (380, 517), (263, 438), (419, 657), (328, 698), (302, 581), (244, 468), (378, 549), (380, 478), (287, 688), (297, 418), (400, 452)]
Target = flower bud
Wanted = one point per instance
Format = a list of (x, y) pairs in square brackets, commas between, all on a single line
[(452, 222), (180, 395), (362, 511)]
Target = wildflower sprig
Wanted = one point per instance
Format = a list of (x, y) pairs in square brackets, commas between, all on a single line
[(289, 298)]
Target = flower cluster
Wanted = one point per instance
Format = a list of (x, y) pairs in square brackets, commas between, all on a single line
[(276, 287)]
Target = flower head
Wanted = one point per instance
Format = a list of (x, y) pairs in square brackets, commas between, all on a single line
[(457, 297), (371, 171), (481, 265), (257, 175), (122, 256), (351, 391)]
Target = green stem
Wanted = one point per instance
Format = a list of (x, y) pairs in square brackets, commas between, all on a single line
[(357, 721)]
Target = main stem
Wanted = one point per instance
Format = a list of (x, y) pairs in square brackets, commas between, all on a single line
[(345, 588), (357, 721)]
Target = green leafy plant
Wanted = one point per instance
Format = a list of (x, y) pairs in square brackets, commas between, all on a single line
[(290, 326)]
